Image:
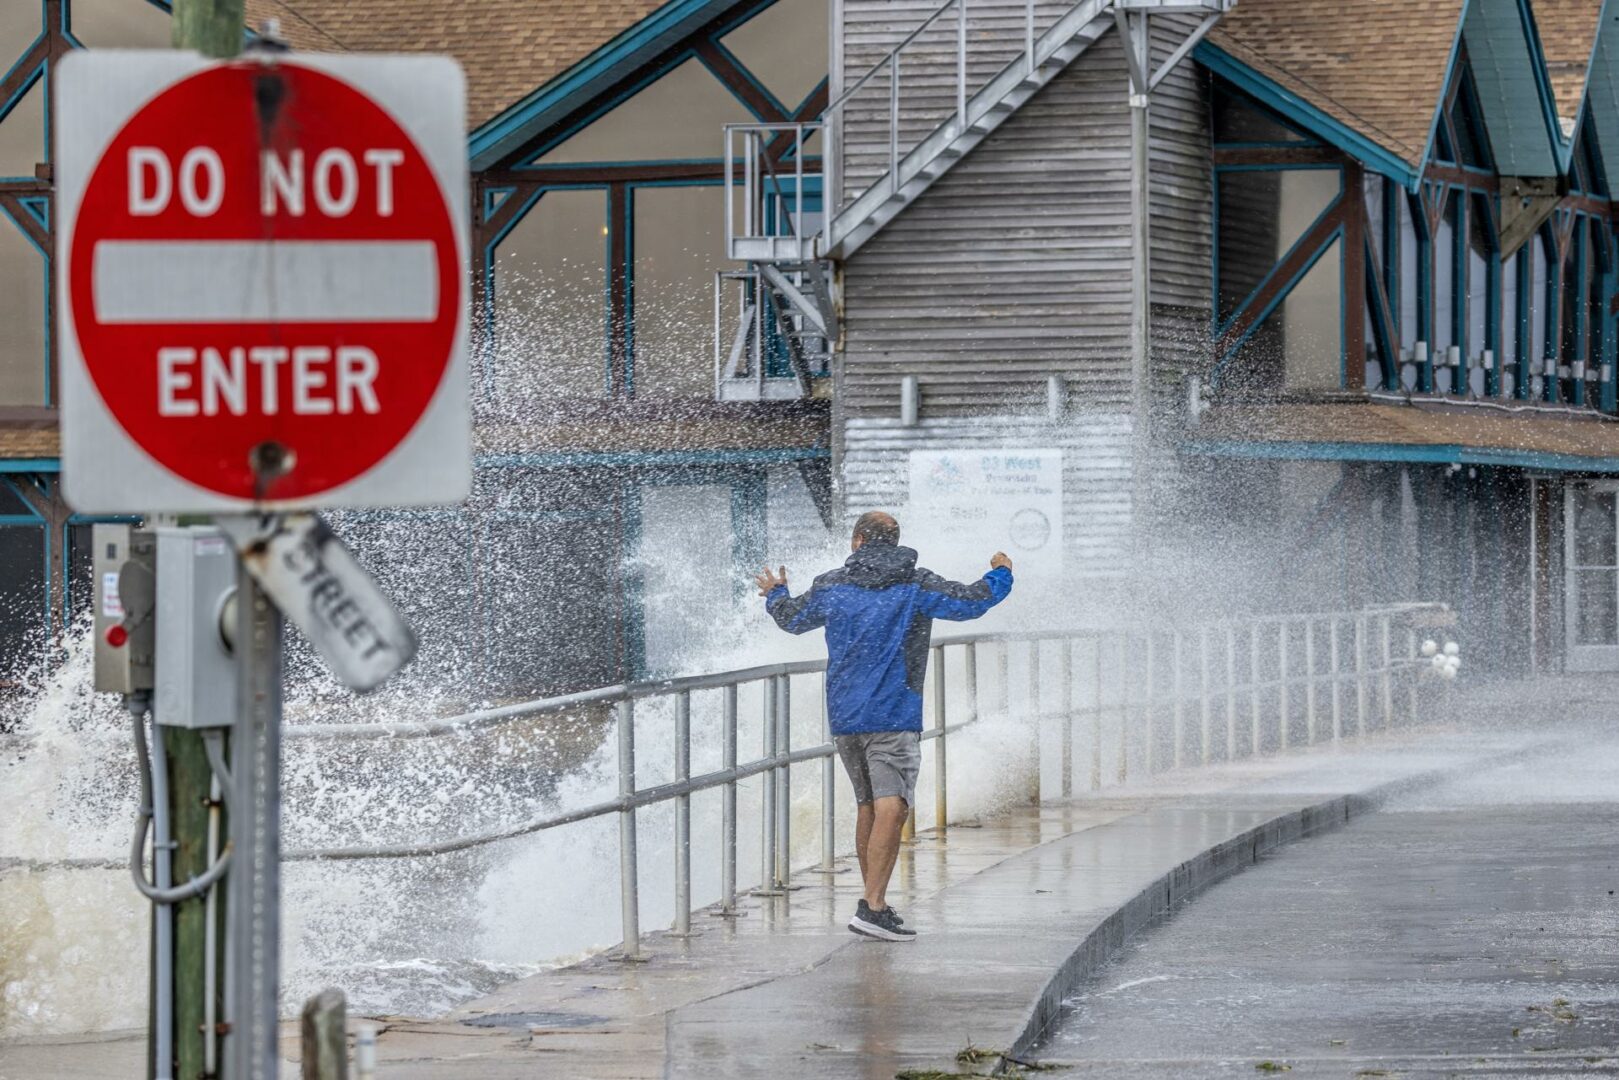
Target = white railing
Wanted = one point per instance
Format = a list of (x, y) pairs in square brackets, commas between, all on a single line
[(1174, 696)]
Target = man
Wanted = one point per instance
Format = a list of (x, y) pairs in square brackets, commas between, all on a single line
[(878, 611)]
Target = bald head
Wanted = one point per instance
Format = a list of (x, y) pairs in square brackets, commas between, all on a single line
[(875, 527)]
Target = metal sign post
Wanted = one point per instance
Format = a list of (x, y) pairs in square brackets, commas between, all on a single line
[(263, 279)]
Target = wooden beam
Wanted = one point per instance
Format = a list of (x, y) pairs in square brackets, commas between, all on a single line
[(22, 72), (26, 221), (1353, 201), (1280, 277), (1279, 155), (725, 69), (543, 176), (620, 350)]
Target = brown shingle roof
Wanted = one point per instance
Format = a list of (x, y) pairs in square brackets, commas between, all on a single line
[(1567, 35), (509, 48), (1374, 65)]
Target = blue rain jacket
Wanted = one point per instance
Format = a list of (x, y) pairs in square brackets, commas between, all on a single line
[(878, 610)]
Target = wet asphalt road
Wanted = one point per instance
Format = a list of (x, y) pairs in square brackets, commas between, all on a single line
[(1472, 931)]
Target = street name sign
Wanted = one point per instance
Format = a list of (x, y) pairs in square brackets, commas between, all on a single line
[(317, 584), (262, 281)]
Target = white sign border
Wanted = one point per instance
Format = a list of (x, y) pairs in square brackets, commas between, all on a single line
[(103, 469)]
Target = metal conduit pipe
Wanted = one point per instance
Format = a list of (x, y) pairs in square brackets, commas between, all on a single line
[(163, 913)]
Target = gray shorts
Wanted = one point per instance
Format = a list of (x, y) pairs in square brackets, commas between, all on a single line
[(882, 763)]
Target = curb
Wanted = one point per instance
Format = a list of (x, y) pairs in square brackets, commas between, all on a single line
[(1200, 873)]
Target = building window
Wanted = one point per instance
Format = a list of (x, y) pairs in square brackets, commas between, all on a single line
[(1444, 288), (1507, 354), (1481, 291)]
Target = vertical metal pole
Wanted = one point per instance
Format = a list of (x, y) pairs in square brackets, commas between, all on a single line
[(728, 802), (1230, 692), (253, 898), (941, 800), (1028, 35), (1034, 719), (767, 807), (1126, 701), (1204, 701), (683, 815), (1149, 731), (961, 67), (829, 793), (1178, 724), (1096, 720), (1337, 683), (1284, 697), (1360, 677), (1140, 286), (1003, 664), (784, 782), (1253, 685), (628, 863), (971, 674), (1411, 672), (1309, 681), (1388, 675), (893, 122), (1065, 678)]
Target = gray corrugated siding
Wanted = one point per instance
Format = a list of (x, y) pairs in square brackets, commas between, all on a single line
[(1014, 266)]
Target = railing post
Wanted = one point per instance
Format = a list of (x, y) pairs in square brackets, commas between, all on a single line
[(1284, 697), (767, 803), (941, 800), (1178, 724), (1337, 684), (961, 67), (1309, 681), (829, 794), (628, 866), (1204, 701), (1003, 666), (1096, 720), (683, 815), (1360, 677), (1230, 692), (893, 122), (1253, 685), (1034, 719), (728, 803), (1388, 676), (1413, 672), (784, 782), (1028, 35), (1065, 679), (971, 675), (1126, 702)]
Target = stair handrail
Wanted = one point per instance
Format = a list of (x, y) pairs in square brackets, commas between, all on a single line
[(892, 61)]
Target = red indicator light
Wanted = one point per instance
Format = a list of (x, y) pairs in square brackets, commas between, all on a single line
[(117, 635)]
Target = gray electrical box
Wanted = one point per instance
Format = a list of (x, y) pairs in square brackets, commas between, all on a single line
[(124, 595), (196, 676)]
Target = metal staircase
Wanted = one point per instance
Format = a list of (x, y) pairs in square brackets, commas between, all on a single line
[(789, 237)]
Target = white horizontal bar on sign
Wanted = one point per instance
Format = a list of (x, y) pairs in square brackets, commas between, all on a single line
[(247, 281)]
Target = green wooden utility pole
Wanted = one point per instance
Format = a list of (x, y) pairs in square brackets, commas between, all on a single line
[(213, 28)]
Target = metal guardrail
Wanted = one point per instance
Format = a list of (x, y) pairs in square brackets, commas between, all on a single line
[(1305, 677)]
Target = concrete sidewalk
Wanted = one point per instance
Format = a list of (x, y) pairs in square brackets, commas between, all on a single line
[(1012, 911)]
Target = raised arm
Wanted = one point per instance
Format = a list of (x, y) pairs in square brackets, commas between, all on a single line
[(794, 614), (958, 601)]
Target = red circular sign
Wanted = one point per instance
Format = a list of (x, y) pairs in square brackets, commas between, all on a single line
[(263, 257)]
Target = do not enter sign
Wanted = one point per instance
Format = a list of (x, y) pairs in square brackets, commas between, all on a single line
[(263, 290)]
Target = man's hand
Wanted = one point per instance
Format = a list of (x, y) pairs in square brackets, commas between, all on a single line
[(999, 561), (767, 581)]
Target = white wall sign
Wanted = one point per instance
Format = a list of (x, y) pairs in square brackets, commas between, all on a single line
[(973, 503)]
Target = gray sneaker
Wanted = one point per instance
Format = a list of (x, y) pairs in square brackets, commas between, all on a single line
[(883, 925)]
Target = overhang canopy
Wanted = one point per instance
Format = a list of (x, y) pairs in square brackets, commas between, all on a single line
[(1376, 432)]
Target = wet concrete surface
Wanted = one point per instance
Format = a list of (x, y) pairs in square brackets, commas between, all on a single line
[(1005, 906), (1472, 930)]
